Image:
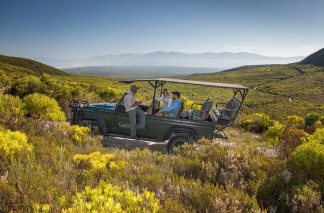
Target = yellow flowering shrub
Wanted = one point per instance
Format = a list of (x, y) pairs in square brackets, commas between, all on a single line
[(295, 121), (94, 160), (13, 142), (41, 208), (11, 110), (42, 106), (109, 198), (79, 134), (257, 122), (273, 133)]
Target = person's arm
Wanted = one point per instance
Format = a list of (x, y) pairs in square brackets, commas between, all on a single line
[(159, 99), (169, 102)]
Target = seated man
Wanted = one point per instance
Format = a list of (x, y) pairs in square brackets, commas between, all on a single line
[(169, 111)]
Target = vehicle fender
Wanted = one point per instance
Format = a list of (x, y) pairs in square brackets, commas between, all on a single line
[(99, 120), (188, 132)]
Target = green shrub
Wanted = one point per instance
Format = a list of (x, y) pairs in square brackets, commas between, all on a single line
[(306, 198), (311, 118), (309, 157), (269, 194), (11, 111), (28, 85), (44, 107), (109, 198)]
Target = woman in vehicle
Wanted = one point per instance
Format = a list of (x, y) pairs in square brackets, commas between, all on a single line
[(165, 98)]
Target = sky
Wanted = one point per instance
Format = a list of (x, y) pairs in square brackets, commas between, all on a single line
[(71, 29)]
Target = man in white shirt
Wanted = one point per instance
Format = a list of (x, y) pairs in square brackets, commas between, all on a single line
[(131, 107)]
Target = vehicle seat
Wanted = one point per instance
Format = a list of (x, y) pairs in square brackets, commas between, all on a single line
[(203, 112)]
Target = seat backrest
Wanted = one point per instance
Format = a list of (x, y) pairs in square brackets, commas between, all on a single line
[(230, 104), (208, 105), (204, 111), (234, 107)]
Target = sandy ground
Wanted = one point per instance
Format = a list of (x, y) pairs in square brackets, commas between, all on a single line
[(129, 144), (126, 143)]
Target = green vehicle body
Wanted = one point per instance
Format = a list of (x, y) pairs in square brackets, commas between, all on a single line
[(110, 119)]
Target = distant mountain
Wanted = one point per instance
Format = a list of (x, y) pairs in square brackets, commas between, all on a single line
[(223, 60), (14, 66), (138, 71), (316, 58)]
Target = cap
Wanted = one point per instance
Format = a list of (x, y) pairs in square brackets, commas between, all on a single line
[(133, 87), (176, 93)]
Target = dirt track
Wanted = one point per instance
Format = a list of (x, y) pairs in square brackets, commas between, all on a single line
[(129, 144)]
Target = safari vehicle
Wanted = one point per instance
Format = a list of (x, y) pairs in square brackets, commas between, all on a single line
[(110, 119)]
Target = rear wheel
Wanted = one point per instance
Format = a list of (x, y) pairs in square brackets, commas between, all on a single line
[(178, 141), (94, 127)]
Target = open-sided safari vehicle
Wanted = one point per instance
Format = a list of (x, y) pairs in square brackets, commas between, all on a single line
[(209, 121)]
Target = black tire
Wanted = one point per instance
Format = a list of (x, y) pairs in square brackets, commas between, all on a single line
[(177, 141), (94, 127)]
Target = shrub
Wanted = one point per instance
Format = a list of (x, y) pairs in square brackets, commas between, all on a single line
[(295, 122), (269, 194), (4, 79), (44, 107), (257, 122), (79, 134), (309, 157), (14, 142), (28, 85), (94, 160), (109, 198), (290, 139), (273, 133), (306, 198), (322, 120), (11, 110), (311, 118)]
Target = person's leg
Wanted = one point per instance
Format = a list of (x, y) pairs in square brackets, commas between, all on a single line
[(132, 118), (141, 115)]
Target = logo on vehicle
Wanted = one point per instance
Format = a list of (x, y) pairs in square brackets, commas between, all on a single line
[(127, 126)]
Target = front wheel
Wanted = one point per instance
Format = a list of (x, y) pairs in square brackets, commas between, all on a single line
[(177, 141), (94, 127)]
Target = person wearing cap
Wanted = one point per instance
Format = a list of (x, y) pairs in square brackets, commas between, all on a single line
[(132, 109), (174, 106)]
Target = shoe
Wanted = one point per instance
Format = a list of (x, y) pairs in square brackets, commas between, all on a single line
[(143, 129)]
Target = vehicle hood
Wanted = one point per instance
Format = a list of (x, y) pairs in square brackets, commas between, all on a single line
[(105, 106)]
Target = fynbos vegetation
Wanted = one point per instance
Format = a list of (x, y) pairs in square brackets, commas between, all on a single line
[(272, 162)]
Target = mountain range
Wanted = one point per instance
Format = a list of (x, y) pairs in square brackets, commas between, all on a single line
[(222, 60)]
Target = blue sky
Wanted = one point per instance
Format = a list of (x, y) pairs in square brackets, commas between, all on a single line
[(70, 29)]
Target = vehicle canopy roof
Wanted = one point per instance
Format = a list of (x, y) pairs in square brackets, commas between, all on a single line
[(162, 81)]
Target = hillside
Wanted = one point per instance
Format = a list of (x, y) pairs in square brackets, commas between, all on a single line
[(316, 58), (17, 67), (277, 90)]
